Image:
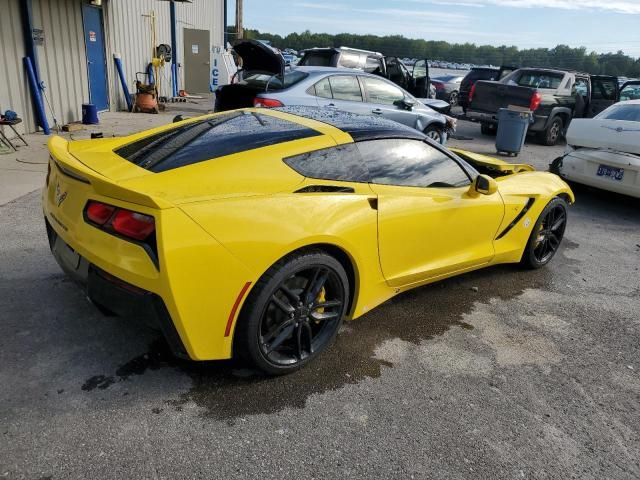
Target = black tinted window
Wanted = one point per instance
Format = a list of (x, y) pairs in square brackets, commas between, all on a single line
[(317, 59), (274, 82), (345, 87), (211, 138), (410, 163), (336, 163), (604, 89)]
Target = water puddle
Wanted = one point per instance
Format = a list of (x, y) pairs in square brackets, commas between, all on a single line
[(228, 389)]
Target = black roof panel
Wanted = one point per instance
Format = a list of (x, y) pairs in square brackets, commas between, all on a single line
[(360, 127)]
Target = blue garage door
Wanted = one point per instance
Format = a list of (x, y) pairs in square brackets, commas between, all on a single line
[(96, 60)]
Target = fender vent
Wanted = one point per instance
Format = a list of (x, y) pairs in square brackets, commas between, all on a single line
[(325, 189), (522, 213)]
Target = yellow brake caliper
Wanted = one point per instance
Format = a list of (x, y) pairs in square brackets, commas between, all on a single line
[(321, 299)]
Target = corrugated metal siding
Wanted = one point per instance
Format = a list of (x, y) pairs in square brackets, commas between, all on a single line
[(13, 84), (129, 34), (62, 58)]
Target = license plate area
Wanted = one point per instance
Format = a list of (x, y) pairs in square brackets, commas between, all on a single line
[(610, 172)]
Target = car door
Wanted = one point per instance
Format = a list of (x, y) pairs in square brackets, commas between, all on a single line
[(385, 99), (420, 80), (342, 92), (429, 225), (604, 93), (630, 91), (398, 73)]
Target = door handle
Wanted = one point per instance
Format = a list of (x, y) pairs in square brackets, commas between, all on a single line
[(377, 111)]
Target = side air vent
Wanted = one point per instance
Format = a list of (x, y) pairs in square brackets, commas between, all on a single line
[(325, 189), (522, 213)]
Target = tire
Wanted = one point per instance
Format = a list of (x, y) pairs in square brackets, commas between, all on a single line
[(488, 129), (539, 251), (552, 134), (435, 133), (453, 98), (277, 332)]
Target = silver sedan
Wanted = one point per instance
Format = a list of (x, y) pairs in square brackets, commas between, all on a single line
[(343, 89)]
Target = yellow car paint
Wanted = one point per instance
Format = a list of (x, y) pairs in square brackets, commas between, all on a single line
[(217, 238)]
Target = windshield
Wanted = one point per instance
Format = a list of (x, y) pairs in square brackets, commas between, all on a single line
[(629, 113), (534, 79), (261, 80)]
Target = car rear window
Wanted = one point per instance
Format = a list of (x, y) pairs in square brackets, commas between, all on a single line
[(537, 79), (628, 113), (274, 82), (317, 59), (211, 138), (474, 75)]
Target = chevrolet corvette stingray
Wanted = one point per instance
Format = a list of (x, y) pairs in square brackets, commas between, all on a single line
[(255, 232)]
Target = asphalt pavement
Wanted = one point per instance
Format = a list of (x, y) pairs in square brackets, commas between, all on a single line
[(498, 374)]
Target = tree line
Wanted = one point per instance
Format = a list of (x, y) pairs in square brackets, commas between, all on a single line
[(561, 56)]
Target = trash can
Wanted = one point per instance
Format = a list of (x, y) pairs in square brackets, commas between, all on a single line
[(512, 130), (89, 114)]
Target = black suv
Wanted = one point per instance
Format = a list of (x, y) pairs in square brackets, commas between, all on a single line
[(480, 73)]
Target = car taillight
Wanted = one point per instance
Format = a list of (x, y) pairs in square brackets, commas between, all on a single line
[(267, 102), (536, 98), (472, 92), (99, 213), (132, 224), (438, 86), (127, 223)]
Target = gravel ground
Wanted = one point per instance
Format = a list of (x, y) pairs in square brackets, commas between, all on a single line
[(497, 374)]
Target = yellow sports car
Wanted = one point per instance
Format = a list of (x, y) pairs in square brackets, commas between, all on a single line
[(255, 232)]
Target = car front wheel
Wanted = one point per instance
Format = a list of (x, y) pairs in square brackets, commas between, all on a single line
[(435, 133), (546, 235), (293, 313)]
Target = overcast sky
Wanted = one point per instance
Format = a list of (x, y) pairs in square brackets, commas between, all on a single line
[(600, 25)]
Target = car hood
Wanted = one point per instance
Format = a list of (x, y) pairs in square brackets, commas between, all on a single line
[(258, 57), (493, 167)]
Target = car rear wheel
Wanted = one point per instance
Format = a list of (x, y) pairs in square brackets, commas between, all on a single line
[(552, 134), (293, 313), (435, 133), (546, 235), (488, 129)]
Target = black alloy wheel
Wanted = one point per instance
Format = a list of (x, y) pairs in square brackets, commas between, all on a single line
[(294, 312), (547, 234)]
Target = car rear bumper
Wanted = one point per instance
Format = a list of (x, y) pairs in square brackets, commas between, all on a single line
[(538, 125), (115, 295)]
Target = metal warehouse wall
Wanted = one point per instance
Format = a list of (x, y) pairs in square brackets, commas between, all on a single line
[(62, 58), (13, 83), (129, 34)]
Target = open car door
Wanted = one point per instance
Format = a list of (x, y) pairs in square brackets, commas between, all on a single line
[(398, 73), (420, 81), (604, 93), (630, 91)]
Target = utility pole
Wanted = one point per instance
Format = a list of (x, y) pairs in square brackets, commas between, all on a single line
[(239, 28)]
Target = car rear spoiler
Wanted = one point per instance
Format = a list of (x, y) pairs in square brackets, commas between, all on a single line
[(73, 168)]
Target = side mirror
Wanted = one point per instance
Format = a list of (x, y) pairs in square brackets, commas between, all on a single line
[(484, 185), (408, 103)]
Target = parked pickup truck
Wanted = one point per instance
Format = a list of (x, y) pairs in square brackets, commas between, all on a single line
[(554, 96)]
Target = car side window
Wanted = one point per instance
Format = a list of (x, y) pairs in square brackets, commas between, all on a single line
[(581, 87), (603, 89), (379, 91), (323, 89), (343, 163), (345, 87), (411, 163)]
